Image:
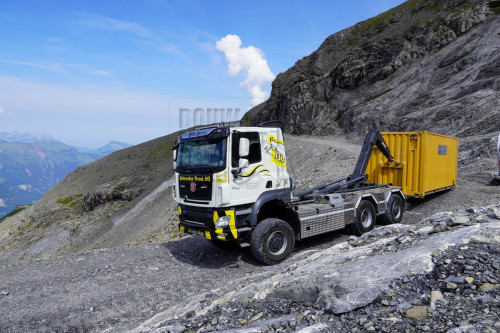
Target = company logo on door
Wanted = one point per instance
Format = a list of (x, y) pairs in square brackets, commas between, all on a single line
[(277, 149)]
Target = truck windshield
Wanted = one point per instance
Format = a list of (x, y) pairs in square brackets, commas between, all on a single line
[(202, 155)]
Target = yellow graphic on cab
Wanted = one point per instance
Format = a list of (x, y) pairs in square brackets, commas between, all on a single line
[(221, 179), (278, 155)]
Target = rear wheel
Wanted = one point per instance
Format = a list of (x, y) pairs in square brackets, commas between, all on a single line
[(272, 241), (365, 218), (394, 212)]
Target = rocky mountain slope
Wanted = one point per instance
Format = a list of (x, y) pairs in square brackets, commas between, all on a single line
[(424, 65), (96, 205)]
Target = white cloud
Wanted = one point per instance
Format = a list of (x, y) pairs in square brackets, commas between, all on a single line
[(93, 71), (53, 67), (2, 203), (2, 109), (112, 24), (249, 60), (59, 67)]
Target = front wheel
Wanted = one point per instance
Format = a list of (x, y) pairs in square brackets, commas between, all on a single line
[(272, 241), (365, 218)]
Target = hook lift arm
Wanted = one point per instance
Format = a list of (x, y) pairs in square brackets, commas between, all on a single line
[(373, 138)]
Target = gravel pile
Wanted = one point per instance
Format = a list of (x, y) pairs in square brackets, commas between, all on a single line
[(460, 293)]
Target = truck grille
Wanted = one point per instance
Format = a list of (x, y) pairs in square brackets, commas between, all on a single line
[(195, 187)]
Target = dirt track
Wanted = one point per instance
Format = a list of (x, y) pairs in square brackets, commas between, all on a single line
[(119, 288)]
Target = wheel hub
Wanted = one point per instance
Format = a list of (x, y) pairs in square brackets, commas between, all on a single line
[(396, 210), (366, 218), (277, 243)]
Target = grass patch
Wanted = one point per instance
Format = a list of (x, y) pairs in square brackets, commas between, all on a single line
[(378, 95), (436, 8), (71, 200), (161, 152), (378, 22), (65, 201), (26, 226)]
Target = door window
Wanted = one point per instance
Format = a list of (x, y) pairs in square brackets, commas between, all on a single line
[(254, 155)]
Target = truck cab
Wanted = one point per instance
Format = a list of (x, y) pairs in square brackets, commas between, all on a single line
[(223, 176)]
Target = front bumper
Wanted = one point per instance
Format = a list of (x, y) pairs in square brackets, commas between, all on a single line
[(202, 222)]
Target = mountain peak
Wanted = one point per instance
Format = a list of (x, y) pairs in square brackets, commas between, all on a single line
[(424, 65), (111, 147), (25, 137)]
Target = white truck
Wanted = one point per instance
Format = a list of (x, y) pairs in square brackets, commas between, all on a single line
[(233, 188)]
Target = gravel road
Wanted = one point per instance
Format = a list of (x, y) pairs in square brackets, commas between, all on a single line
[(121, 288), (104, 288)]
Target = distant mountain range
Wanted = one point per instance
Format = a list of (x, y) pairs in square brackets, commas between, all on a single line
[(32, 163)]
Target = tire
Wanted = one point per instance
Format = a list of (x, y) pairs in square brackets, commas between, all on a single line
[(272, 241), (224, 245), (394, 212), (365, 218)]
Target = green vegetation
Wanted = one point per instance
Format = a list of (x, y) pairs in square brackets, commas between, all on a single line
[(161, 152), (436, 8), (26, 226), (72, 201), (377, 96), (65, 201)]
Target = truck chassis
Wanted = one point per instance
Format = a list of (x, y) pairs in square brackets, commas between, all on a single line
[(272, 223)]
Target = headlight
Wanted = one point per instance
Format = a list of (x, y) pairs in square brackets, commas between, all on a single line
[(223, 222)]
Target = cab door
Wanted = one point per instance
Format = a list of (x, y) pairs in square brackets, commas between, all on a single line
[(251, 181)]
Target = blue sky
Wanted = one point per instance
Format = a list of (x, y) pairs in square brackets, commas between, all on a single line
[(86, 72)]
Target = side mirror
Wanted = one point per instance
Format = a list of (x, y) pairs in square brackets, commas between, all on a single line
[(244, 147), (243, 163), (174, 156)]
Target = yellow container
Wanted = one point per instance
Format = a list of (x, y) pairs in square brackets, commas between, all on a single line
[(424, 163)]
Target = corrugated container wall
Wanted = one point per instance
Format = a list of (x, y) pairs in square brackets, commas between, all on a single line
[(424, 162)]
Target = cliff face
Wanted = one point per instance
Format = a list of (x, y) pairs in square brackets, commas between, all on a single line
[(424, 65)]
